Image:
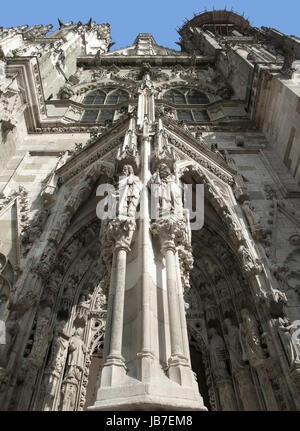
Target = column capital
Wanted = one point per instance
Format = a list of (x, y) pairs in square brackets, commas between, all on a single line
[(170, 231), (167, 244), (120, 231)]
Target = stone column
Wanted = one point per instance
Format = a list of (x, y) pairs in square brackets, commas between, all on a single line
[(180, 292), (114, 368), (169, 250), (179, 370), (146, 354)]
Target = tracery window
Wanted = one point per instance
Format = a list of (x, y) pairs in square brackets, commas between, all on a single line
[(106, 96), (192, 115), (187, 96)]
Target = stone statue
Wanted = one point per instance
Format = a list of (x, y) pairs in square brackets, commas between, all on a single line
[(68, 296), (167, 193), (234, 346), (249, 265), (250, 339), (58, 348), (42, 336), (76, 354), (217, 353), (223, 382), (38, 223), (47, 260), (129, 188), (54, 368), (252, 218), (79, 194), (292, 350), (239, 369)]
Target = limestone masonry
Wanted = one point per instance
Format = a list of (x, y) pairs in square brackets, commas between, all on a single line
[(142, 310)]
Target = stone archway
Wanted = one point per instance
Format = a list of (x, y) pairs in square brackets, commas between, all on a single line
[(79, 316), (224, 324)]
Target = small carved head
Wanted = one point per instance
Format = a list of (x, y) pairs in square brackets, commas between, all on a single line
[(79, 332), (127, 170), (164, 170)]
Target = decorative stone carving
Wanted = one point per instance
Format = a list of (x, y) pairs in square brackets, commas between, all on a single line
[(167, 193), (58, 347), (164, 153), (146, 265), (68, 296), (59, 228), (218, 356), (129, 187), (292, 350), (35, 228), (76, 352), (66, 92), (249, 266), (42, 336), (253, 220), (43, 268), (250, 340), (79, 194), (128, 153), (234, 347), (74, 369)]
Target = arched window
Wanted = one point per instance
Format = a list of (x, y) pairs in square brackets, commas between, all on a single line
[(105, 96), (187, 96), (195, 97), (175, 96), (95, 98)]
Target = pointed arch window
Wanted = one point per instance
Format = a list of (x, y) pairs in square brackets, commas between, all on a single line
[(105, 96), (188, 96), (95, 98)]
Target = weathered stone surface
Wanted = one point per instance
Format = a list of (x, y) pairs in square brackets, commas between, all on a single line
[(86, 131)]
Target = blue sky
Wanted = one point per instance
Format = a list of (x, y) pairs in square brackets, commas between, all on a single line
[(128, 18)]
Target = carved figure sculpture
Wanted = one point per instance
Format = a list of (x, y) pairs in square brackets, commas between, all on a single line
[(167, 193), (128, 192), (250, 339)]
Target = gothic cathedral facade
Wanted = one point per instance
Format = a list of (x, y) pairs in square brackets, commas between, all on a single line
[(150, 219)]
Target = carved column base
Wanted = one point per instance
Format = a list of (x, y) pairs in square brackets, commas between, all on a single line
[(145, 366), (179, 371), (113, 372), (134, 395)]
